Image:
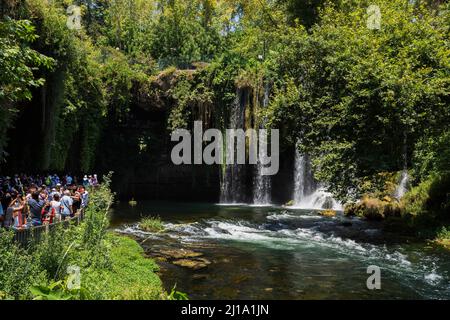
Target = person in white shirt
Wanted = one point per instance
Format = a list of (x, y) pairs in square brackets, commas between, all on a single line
[(56, 206)]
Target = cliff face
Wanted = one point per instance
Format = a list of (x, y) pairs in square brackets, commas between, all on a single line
[(138, 151), (137, 148), (136, 144)]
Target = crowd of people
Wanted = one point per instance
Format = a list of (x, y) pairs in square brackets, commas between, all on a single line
[(28, 201)]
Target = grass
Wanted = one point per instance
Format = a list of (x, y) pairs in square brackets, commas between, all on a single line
[(131, 276), (151, 224)]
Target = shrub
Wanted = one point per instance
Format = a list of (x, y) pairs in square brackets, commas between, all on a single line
[(53, 250), (443, 237), (18, 269), (94, 227), (429, 202), (373, 208), (327, 213)]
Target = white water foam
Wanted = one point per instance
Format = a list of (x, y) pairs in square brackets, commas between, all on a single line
[(317, 201), (135, 231), (286, 215), (233, 204), (308, 193), (433, 278), (424, 270)]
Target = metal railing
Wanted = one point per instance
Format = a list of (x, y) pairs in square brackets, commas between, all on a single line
[(34, 234)]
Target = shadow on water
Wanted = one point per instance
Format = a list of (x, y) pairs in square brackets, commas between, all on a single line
[(243, 252)]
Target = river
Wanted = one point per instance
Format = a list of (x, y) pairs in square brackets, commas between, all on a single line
[(250, 252)]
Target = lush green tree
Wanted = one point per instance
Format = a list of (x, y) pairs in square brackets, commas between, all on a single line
[(185, 32), (361, 100), (358, 99), (18, 65)]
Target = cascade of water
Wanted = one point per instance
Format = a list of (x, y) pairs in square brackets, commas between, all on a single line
[(261, 183), (308, 194), (232, 175), (402, 187)]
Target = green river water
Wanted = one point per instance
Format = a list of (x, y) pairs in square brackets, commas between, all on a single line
[(282, 253)]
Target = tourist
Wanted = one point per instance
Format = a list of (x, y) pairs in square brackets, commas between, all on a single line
[(7, 222), (69, 180), (17, 206), (48, 180), (36, 205), (56, 207), (76, 200), (7, 216), (2, 213), (85, 181), (25, 210), (43, 195), (55, 180), (84, 197), (66, 203), (95, 181), (55, 191), (20, 207)]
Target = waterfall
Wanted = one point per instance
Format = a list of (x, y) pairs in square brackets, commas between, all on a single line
[(261, 183), (232, 187), (402, 187), (308, 194)]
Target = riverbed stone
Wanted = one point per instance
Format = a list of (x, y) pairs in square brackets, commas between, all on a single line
[(195, 264), (173, 253)]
